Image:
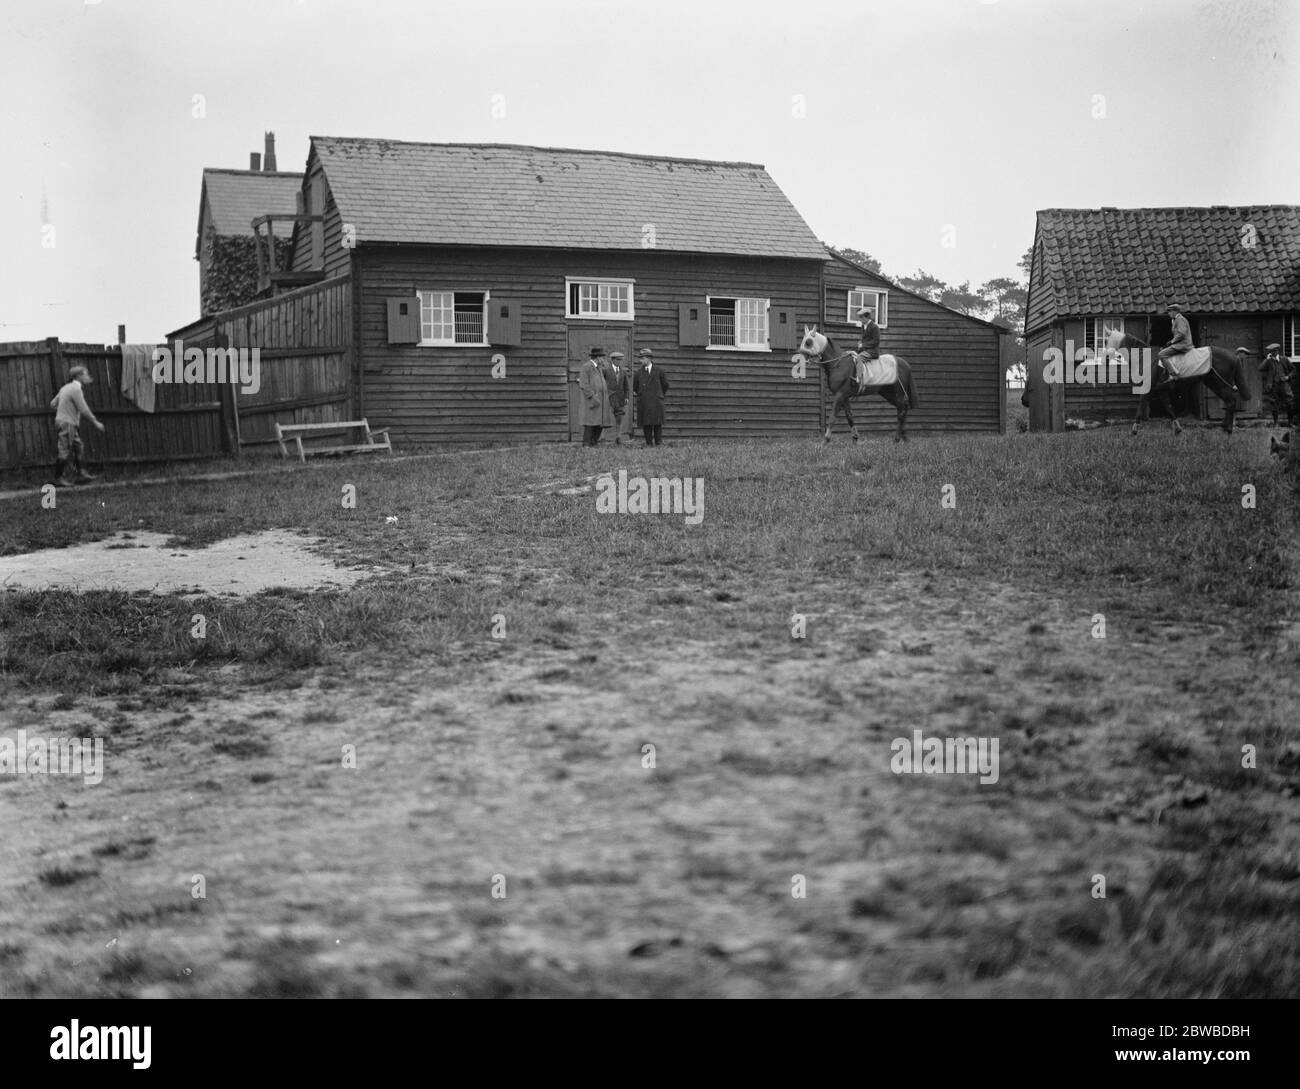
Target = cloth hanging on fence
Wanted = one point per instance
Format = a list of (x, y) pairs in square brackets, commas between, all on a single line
[(137, 375)]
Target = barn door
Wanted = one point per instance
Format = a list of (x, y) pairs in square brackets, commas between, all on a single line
[(1234, 333), (582, 338)]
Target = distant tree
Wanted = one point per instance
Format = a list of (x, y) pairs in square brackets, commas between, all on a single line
[(1006, 298), (1026, 263), (858, 257), (924, 284), (962, 299)]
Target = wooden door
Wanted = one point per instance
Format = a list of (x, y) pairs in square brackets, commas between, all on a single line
[(613, 337), (1234, 333)]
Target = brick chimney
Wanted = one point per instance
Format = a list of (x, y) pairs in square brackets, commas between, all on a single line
[(268, 160), (254, 161)]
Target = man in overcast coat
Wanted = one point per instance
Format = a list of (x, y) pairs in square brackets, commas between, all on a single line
[(649, 387)]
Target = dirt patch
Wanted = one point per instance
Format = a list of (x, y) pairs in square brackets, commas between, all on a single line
[(133, 562)]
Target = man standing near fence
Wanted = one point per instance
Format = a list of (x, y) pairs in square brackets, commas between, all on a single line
[(69, 406)]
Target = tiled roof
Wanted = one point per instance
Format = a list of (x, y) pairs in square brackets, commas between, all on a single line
[(1135, 260), (237, 197), (504, 195)]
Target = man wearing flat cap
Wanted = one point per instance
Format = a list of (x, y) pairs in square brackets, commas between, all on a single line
[(1277, 373), (868, 342), (650, 386), (596, 414), (70, 406), (1180, 340)]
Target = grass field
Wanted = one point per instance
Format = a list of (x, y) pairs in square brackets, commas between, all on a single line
[(1104, 606)]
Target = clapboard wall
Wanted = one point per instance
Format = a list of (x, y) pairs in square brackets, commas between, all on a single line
[(448, 394), (956, 360)]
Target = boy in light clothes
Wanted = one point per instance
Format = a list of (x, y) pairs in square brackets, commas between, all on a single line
[(69, 406)]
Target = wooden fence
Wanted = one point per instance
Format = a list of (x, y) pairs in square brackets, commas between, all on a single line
[(304, 340), (305, 368), (186, 422)]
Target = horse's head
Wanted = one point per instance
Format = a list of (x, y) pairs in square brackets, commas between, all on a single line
[(1115, 339), (813, 344)]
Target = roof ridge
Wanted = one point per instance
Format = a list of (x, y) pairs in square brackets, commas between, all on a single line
[(253, 173), (540, 147), (1169, 208)]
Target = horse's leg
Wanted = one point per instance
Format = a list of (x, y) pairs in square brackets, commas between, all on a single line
[(1229, 399), (835, 411), (848, 415), (1137, 416), (899, 401)]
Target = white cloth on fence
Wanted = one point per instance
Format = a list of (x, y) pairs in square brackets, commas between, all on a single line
[(1191, 364), (137, 376)]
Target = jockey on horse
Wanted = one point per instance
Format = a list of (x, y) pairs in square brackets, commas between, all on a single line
[(868, 345), (1180, 341)]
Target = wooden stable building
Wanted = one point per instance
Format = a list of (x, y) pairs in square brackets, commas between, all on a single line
[(958, 360), (1235, 272), (480, 276)]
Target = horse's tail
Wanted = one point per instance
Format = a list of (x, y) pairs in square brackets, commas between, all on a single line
[(909, 386), (1239, 377)]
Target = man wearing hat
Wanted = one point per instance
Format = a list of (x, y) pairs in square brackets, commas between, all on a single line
[(1180, 341), (650, 386), (596, 414), (616, 379), (69, 406), (1277, 373), (868, 342)]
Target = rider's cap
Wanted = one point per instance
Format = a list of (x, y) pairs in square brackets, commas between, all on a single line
[(1245, 351), (1272, 347), (867, 311), (1173, 306)]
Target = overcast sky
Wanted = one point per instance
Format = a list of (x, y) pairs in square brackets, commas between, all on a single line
[(915, 115)]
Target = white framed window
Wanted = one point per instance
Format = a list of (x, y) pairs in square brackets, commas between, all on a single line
[(453, 317), (600, 298), (874, 300), (1094, 332), (1291, 340), (739, 323)]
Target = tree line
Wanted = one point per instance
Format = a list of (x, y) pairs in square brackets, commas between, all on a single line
[(1001, 300)]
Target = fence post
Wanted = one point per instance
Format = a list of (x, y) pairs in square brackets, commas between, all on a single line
[(229, 413), (56, 362)]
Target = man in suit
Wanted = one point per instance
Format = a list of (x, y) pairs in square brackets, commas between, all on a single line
[(616, 379), (649, 388), (596, 414), (1276, 376)]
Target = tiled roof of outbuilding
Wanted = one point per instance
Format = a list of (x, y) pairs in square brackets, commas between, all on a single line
[(505, 195), (1215, 260)]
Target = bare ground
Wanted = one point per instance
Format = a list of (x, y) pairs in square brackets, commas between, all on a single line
[(771, 761)]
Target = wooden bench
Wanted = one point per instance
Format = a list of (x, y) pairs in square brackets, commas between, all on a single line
[(374, 440)]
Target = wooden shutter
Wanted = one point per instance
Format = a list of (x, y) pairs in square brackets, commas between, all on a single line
[(693, 325), (780, 333), (503, 322), (404, 320)]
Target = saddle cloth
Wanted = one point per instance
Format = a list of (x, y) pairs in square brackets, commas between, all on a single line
[(1191, 364), (876, 372)]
